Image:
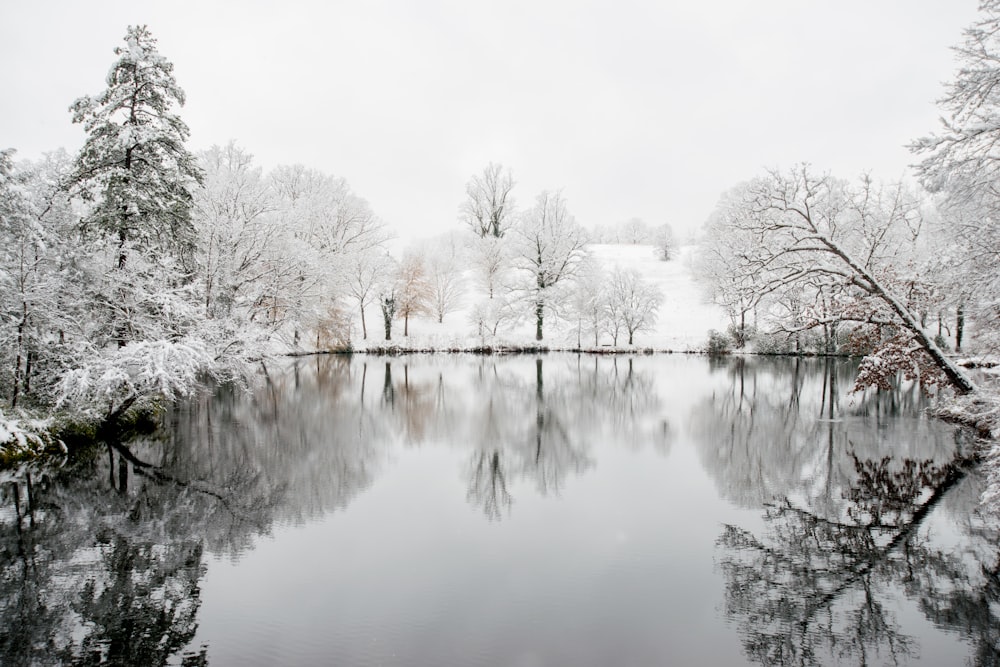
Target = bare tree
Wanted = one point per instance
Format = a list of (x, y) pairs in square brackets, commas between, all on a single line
[(413, 291), (549, 246), (489, 207)]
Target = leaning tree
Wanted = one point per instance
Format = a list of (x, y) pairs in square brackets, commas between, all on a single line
[(823, 241)]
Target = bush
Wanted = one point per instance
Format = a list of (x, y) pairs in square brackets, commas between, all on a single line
[(741, 336), (771, 343), (718, 343)]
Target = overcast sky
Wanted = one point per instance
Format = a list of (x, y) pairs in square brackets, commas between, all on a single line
[(635, 109)]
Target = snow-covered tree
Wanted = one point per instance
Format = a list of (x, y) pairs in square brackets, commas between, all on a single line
[(632, 302), (488, 315), (364, 272), (41, 286), (237, 233), (634, 232), (549, 244), (488, 208), (138, 177), (443, 261), (719, 251), (588, 300), (821, 236), (960, 163), (133, 166), (665, 241), (490, 260), (324, 223)]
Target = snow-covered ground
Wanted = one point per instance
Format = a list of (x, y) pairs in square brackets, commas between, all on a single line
[(682, 324)]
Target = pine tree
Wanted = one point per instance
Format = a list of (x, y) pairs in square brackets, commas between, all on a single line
[(134, 166), (138, 177)]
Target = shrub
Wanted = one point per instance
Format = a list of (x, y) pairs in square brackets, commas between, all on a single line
[(718, 343)]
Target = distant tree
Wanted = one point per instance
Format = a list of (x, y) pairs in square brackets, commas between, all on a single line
[(364, 271), (490, 260), (666, 244), (633, 303), (549, 246), (719, 251), (489, 207), (588, 300), (413, 291), (325, 222), (444, 275), (634, 232), (489, 314)]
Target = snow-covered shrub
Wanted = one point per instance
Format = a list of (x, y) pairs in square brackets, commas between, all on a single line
[(115, 379), (771, 343), (23, 436), (718, 343), (741, 336)]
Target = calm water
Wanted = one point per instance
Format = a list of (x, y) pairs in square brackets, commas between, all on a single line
[(561, 510)]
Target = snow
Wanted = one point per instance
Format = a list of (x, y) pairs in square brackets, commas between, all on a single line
[(21, 435), (682, 325)]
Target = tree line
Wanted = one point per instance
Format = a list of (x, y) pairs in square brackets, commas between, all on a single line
[(135, 267)]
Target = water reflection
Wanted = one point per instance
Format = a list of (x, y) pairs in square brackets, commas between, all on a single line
[(102, 558), (865, 505), (788, 428), (854, 532), (94, 573)]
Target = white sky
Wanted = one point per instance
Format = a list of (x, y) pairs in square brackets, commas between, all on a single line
[(634, 108)]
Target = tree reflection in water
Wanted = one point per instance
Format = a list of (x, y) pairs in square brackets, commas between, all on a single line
[(850, 536), (526, 427), (102, 559)]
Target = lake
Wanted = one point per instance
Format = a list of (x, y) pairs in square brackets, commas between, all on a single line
[(479, 510)]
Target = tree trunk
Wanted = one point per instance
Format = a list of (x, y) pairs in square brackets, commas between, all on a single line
[(539, 315), (18, 357), (959, 326), (364, 327), (406, 324)]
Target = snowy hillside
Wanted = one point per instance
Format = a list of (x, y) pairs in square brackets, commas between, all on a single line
[(682, 325)]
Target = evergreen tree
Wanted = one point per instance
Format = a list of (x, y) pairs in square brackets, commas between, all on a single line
[(134, 166), (138, 177)]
